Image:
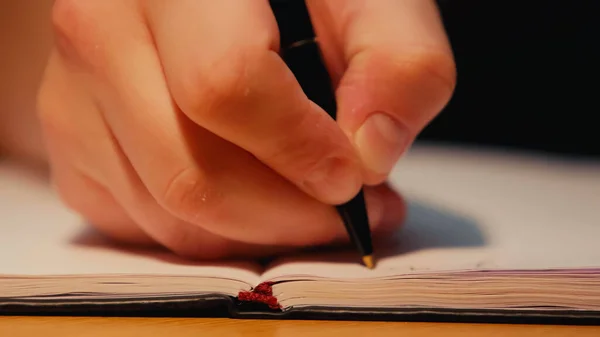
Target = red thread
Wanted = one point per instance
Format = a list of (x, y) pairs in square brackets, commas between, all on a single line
[(262, 293)]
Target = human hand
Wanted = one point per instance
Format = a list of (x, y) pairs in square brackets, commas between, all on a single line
[(175, 122)]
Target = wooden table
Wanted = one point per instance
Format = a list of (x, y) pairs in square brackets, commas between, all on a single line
[(182, 327)]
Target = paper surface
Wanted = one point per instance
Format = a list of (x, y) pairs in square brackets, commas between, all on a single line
[(39, 237), (476, 210), (469, 210)]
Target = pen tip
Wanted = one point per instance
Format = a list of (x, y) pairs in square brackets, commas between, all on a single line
[(368, 261)]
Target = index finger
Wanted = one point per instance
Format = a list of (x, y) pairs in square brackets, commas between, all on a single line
[(221, 63)]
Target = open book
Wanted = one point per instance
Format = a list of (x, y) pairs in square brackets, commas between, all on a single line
[(488, 234)]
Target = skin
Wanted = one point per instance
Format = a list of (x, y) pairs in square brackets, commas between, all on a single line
[(175, 123)]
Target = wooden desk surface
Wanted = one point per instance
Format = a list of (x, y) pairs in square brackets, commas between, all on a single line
[(111, 327)]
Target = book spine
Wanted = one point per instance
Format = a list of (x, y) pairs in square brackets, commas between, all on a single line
[(262, 293)]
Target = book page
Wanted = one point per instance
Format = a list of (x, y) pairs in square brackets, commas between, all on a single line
[(40, 237), (477, 210)]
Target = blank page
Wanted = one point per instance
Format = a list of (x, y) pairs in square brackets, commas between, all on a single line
[(40, 237), (478, 210)]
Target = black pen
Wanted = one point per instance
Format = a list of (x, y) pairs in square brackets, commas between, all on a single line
[(301, 53)]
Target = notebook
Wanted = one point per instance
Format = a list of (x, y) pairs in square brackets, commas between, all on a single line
[(490, 236)]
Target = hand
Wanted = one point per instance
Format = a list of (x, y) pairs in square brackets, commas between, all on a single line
[(176, 122)]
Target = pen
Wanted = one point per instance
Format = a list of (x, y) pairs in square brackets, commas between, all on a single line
[(301, 53)]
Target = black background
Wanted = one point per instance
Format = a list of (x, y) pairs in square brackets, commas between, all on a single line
[(527, 75)]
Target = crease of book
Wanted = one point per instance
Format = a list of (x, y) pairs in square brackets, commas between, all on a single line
[(486, 230)]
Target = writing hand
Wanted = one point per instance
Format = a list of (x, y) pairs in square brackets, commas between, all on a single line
[(175, 122)]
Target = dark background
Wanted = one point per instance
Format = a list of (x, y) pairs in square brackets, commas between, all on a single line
[(527, 75)]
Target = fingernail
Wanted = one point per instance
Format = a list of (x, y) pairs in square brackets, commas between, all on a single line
[(334, 181), (381, 141)]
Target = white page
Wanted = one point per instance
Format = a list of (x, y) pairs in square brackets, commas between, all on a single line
[(39, 237), (474, 210)]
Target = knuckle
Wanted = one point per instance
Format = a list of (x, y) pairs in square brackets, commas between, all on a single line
[(301, 155), (421, 79), (302, 148), (435, 67), (74, 28), (188, 194), (217, 86), (439, 66), (429, 68)]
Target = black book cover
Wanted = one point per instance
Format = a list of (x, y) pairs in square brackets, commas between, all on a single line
[(222, 306)]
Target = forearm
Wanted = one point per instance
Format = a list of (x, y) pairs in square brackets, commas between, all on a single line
[(21, 139), (26, 39)]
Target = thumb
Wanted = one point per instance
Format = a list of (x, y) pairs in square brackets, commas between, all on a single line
[(395, 69)]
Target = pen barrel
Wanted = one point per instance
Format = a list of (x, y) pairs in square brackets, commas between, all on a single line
[(305, 60), (293, 21), (355, 211), (300, 51)]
